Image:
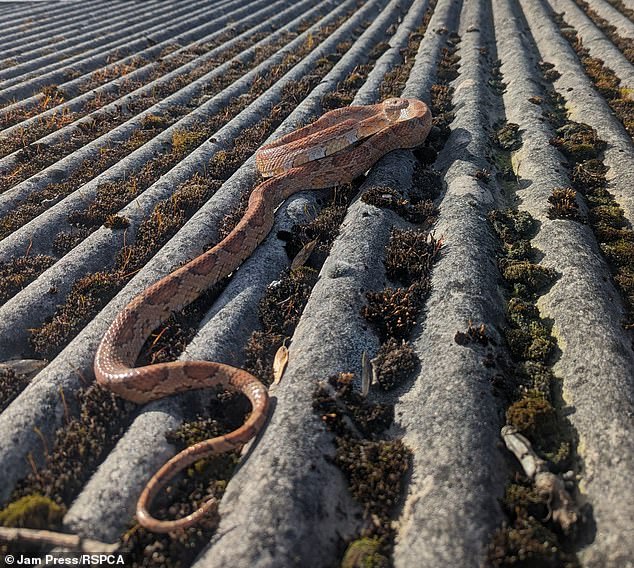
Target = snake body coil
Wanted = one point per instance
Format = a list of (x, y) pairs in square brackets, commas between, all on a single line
[(340, 146)]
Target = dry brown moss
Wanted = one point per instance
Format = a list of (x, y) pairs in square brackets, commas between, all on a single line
[(624, 44), (621, 7), (409, 255), (563, 204), (394, 363), (394, 311), (526, 541), (394, 81), (374, 468), (507, 137), (529, 537), (79, 446), (203, 480), (284, 301), (375, 472), (389, 198), (604, 78), (475, 334), (584, 152), (16, 273)]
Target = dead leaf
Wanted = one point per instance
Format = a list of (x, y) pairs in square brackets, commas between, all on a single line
[(303, 255), (279, 364)]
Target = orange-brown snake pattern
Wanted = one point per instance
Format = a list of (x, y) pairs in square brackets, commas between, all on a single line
[(342, 145)]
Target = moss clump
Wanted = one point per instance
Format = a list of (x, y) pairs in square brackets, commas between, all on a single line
[(511, 225), (324, 228), (365, 553), (15, 274), (389, 198), (588, 175), (292, 291), (11, 385), (346, 413), (394, 363), (605, 79), (532, 341), (532, 276), (374, 468), (87, 295), (620, 251), (527, 543), (537, 377), (474, 334), (394, 311), (79, 446), (33, 511), (410, 255), (507, 137), (374, 471), (282, 305), (345, 90), (584, 150), (394, 81), (532, 415), (279, 312), (578, 142), (203, 480), (563, 204)]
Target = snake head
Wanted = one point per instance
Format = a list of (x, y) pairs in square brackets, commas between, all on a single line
[(393, 107)]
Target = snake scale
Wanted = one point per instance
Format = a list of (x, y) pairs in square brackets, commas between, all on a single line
[(340, 146)]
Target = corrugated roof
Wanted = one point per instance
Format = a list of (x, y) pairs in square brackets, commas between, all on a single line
[(127, 148)]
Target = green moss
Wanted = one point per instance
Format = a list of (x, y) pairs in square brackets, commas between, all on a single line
[(507, 137), (533, 276), (33, 511), (524, 499), (578, 142), (532, 341), (365, 553)]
